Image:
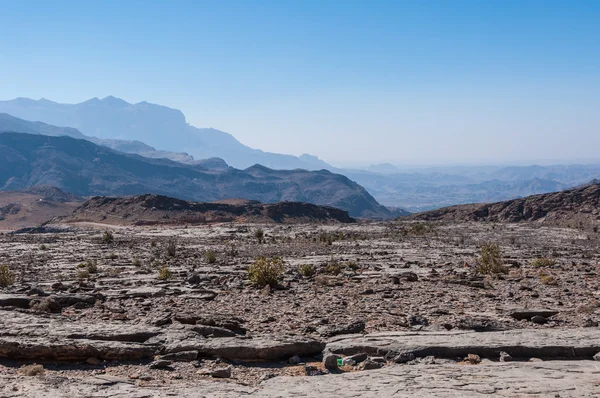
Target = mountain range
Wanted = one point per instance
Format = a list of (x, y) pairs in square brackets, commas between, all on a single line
[(84, 168), (156, 131), (154, 125)]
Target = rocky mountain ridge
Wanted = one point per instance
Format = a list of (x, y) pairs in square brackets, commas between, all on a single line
[(86, 169)]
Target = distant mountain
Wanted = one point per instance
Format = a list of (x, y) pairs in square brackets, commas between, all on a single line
[(578, 208), (84, 168), (155, 125), (16, 125)]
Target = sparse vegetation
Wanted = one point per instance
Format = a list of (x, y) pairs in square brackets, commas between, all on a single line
[(210, 256), (164, 273), (490, 261), (231, 251), (547, 279), (353, 265), (265, 271), (6, 278), (31, 370), (108, 237), (171, 247), (543, 262), (83, 274), (307, 270), (91, 266), (259, 234), (334, 267)]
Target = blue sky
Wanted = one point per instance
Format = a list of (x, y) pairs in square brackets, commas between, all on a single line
[(353, 82)]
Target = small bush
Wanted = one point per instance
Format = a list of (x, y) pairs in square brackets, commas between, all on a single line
[(547, 279), (259, 234), (164, 273), (91, 266), (326, 238), (334, 267), (108, 237), (171, 247), (543, 262), (231, 251), (83, 274), (43, 247), (265, 271), (6, 278), (31, 370), (307, 270), (490, 262), (210, 256)]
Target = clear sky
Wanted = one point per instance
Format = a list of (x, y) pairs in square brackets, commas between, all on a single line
[(350, 81)]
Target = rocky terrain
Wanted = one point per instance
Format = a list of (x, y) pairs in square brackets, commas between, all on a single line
[(369, 308), (87, 169), (576, 208), (162, 210)]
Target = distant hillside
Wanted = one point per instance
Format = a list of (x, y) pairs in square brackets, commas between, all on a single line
[(86, 169), (156, 125), (157, 209), (34, 206), (571, 208)]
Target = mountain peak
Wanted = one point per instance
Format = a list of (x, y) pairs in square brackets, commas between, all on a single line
[(114, 101)]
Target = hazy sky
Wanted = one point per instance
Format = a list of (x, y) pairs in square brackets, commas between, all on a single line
[(349, 81)]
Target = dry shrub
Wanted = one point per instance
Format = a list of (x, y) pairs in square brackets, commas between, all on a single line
[(6, 278), (265, 271), (31, 370), (547, 279), (307, 270), (210, 256), (164, 273), (543, 262), (108, 237), (171, 247), (490, 260)]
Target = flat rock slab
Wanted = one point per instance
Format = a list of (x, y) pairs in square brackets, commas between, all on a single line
[(514, 379), (245, 349), (521, 343)]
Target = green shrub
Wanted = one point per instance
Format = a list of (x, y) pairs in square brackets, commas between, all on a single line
[(210, 256), (543, 262), (307, 270), (490, 260), (265, 271), (6, 278)]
